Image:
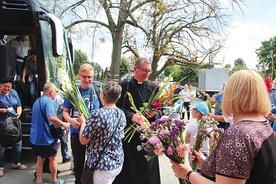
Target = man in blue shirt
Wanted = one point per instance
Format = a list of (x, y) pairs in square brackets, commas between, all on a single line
[(70, 114), (43, 144)]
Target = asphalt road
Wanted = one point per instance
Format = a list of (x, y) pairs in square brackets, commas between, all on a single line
[(12, 176)]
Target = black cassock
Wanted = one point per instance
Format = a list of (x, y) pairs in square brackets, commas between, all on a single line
[(136, 169)]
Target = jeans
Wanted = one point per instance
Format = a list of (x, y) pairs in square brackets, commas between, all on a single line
[(16, 153), (78, 151), (33, 90), (64, 147)]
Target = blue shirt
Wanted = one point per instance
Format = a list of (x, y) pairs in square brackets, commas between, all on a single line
[(218, 98), (94, 105), (10, 100), (40, 134), (99, 129)]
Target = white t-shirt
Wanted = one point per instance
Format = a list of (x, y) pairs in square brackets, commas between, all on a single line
[(186, 95), (192, 130)]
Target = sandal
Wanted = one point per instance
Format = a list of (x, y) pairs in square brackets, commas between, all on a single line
[(1, 171), (19, 166)]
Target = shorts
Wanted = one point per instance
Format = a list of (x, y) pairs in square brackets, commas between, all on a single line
[(46, 151)]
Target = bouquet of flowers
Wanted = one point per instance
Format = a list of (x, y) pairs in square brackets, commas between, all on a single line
[(156, 101), (72, 92), (207, 128), (165, 136), (161, 96)]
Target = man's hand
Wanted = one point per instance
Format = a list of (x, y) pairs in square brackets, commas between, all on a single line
[(150, 113), (75, 123)]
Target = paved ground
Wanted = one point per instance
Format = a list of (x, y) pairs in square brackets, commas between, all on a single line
[(26, 176)]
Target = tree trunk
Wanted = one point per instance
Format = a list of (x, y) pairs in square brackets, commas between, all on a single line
[(117, 37)]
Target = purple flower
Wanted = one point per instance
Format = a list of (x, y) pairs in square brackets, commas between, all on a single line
[(154, 140), (170, 150)]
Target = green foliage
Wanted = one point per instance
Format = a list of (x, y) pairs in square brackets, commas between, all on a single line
[(267, 56), (178, 72), (98, 71), (124, 67), (80, 58), (239, 65)]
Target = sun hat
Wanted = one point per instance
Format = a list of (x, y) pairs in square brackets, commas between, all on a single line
[(201, 107)]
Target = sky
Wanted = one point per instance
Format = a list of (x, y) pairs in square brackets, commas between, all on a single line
[(246, 31)]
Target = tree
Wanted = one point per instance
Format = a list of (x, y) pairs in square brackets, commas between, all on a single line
[(239, 64), (267, 56), (124, 67), (179, 72), (80, 58), (179, 32), (98, 71)]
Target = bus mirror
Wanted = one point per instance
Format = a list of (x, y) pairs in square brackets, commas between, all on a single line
[(57, 37)]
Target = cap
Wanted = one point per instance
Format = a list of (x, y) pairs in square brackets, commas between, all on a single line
[(201, 107)]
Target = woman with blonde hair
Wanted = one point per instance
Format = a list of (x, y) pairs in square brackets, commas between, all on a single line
[(187, 95), (246, 151)]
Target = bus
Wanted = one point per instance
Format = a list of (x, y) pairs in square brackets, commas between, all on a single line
[(53, 47)]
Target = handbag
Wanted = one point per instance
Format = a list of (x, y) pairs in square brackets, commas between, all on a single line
[(56, 132), (10, 131), (87, 172)]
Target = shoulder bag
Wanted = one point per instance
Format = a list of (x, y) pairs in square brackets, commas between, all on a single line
[(87, 172), (55, 132)]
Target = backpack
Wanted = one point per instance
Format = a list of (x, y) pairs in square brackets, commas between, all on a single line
[(10, 131)]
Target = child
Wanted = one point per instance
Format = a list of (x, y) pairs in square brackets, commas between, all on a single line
[(198, 111)]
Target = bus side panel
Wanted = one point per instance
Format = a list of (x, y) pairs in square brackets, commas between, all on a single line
[(7, 61)]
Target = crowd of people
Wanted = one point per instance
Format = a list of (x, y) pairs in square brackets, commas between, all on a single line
[(243, 155)]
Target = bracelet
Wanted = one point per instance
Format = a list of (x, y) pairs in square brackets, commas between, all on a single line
[(188, 175)]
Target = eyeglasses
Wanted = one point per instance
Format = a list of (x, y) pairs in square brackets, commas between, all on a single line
[(89, 77), (144, 70)]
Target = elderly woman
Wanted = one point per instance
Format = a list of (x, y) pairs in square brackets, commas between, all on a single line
[(10, 106), (246, 151)]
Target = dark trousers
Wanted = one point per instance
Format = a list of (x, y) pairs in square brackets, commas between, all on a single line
[(186, 105), (78, 151)]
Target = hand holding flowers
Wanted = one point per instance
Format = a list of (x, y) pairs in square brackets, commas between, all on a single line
[(207, 128), (164, 136)]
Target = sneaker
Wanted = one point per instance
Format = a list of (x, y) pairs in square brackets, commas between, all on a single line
[(19, 166), (65, 160), (1, 171), (58, 181)]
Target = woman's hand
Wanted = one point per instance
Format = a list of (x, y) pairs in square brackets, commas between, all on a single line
[(180, 170), (197, 157)]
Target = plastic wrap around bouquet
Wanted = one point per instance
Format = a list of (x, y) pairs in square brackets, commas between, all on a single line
[(165, 136)]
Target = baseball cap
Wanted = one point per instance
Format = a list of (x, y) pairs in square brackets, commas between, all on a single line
[(201, 107)]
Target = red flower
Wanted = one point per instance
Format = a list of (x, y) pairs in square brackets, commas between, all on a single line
[(156, 105)]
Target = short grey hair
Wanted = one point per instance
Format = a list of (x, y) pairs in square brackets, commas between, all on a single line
[(112, 91), (140, 59)]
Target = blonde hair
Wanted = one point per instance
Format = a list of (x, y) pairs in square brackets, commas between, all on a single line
[(245, 92), (86, 67), (186, 87)]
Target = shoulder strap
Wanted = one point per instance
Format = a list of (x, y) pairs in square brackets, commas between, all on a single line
[(44, 116), (125, 95)]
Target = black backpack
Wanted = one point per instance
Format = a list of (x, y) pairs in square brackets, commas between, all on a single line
[(10, 131)]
